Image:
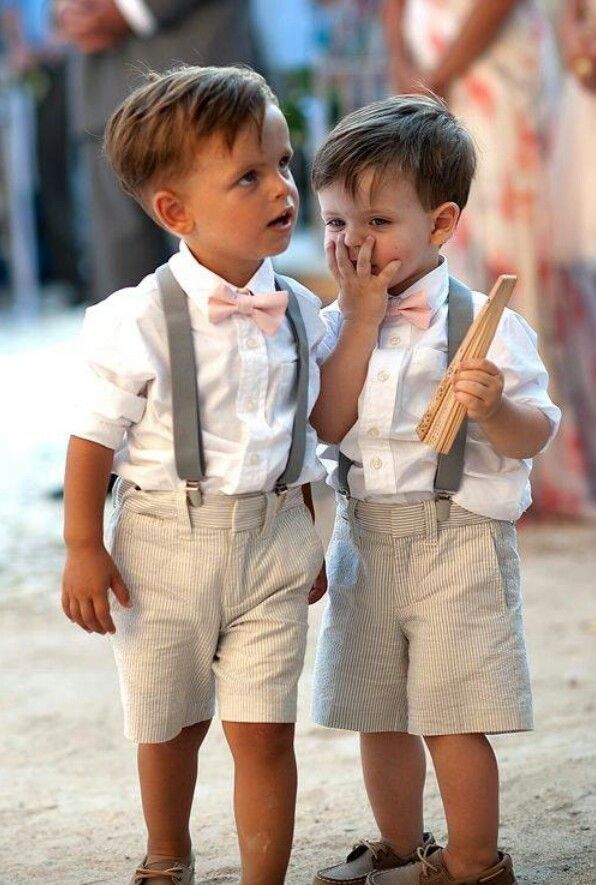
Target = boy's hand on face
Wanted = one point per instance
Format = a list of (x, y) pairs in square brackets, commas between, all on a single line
[(478, 385), (88, 575), (362, 294)]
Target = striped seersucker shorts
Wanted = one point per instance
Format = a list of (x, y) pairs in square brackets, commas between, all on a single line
[(423, 627), (219, 607)]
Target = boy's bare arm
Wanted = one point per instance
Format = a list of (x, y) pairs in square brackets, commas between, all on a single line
[(89, 571), (363, 303), (515, 430)]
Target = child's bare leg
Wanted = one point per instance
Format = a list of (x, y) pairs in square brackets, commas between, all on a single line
[(168, 774), (394, 767), (264, 797), (468, 778)]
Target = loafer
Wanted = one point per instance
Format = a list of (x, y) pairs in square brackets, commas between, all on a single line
[(430, 869), (364, 858), (168, 872)]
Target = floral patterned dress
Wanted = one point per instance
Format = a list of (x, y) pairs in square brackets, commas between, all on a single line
[(504, 99), (568, 469)]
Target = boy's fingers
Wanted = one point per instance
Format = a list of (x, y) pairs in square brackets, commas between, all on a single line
[(482, 364), (88, 616), (389, 271), (342, 257), (473, 388), (470, 375), (331, 258), (364, 256), (65, 601), (75, 615), (102, 614), (120, 590)]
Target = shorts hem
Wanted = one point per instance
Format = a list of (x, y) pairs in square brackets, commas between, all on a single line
[(163, 734), (364, 725)]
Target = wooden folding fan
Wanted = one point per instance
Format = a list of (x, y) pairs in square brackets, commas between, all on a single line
[(439, 425)]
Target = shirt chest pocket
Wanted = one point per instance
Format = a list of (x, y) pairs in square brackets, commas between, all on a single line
[(419, 381)]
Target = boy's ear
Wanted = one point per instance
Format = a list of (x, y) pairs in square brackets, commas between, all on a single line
[(172, 213), (445, 218)]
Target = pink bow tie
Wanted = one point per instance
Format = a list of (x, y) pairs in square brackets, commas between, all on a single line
[(414, 309), (267, 310)]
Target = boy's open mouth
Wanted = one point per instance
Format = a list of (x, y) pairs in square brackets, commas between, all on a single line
[(283, 221)]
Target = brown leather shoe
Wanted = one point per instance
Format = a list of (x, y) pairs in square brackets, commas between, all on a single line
[(364, 858), (430, 870), (171, 872)]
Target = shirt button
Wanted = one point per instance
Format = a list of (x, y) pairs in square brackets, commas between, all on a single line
[(254, 460), (252, 343), (376, 463), (373, 431), (394, 340), (382, 375), (250, 405)]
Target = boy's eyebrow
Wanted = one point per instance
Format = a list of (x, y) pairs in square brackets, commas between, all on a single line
[(240, 167)]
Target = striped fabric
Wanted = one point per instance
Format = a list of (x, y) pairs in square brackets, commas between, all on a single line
[(219, 607), (423, 628)]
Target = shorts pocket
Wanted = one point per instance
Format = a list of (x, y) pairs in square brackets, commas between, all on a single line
[(504, 539)]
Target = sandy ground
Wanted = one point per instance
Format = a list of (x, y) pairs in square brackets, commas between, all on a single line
[(69, 805)]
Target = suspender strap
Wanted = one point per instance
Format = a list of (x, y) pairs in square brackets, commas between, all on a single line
[(450, 467), (298, 444), (343, 468), (188, 442)]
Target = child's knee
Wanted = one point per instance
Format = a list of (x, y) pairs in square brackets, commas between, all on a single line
[(262, 742)]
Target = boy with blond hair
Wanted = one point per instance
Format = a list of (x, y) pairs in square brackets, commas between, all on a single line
[(197, 390), (422, 639)]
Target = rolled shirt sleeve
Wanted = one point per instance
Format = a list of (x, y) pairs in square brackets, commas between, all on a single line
[(332, 319), (113, 372), (515, 352)]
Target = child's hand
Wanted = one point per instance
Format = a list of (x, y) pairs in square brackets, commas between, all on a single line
[(363, 295), (88, 574), (478, 385), (319, 588)]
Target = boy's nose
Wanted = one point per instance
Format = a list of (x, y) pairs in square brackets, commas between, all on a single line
[(353, 243), (283, 186)]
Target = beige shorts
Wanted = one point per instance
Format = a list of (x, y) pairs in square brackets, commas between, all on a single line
[(423, 627), (219, 607)]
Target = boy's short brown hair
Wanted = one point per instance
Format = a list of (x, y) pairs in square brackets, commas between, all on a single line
[(415, 135), (151, 138)]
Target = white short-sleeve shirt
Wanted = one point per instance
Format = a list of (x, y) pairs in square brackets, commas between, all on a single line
[(246, 383), (391, 465)]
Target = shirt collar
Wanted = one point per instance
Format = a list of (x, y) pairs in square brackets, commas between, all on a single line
[(435, 285), (199, 282)]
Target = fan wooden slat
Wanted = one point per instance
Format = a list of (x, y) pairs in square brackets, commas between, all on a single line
[(440, 423)]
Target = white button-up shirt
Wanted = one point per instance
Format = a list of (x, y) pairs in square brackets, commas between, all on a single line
[(391, 465), (246, 384)]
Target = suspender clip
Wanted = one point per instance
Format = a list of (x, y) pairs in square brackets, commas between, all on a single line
[(193, 492), (280, 489), (443, 505)]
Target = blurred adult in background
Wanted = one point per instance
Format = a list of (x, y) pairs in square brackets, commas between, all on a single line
[(568, 471), (495, 63), (35, 64), (116, 41)]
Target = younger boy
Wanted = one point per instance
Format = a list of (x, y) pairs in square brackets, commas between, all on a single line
[(198, 387), (422, 638)]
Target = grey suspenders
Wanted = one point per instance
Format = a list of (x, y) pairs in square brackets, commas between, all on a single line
[(449, 467), (188, 442)]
